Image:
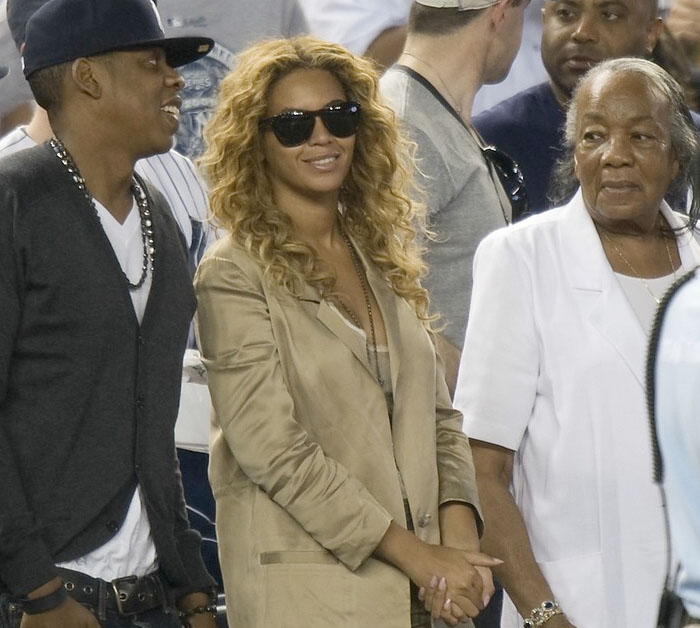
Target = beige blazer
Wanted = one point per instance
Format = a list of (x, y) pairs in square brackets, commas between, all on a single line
[(305, 466)]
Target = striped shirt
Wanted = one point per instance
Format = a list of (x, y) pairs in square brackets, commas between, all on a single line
[(174, 176)]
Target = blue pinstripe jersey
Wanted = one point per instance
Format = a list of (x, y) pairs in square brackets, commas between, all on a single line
[(175, 177)]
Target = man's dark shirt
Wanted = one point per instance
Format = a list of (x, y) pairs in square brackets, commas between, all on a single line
[(528, 127)]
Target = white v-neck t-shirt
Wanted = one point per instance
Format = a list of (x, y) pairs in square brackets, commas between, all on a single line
[(131, 551)]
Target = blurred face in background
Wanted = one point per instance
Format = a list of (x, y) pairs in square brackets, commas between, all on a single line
[(577, 34)]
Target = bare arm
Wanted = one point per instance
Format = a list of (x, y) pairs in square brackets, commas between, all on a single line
[(387, 46), (68, 613), (505, 533), (21, 114), (684, 22)]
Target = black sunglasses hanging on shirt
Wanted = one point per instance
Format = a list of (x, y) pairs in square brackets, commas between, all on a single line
[(511, 178)]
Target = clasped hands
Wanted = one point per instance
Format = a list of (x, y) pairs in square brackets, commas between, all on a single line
[(461, 585)]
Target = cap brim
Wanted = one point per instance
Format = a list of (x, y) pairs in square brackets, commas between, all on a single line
[(180, 50)]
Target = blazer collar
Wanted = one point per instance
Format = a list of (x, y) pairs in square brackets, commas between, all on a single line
[(387, 302), (594, 283), (580, 238)]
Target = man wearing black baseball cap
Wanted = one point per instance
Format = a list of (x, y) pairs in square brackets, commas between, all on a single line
[(96, 303)]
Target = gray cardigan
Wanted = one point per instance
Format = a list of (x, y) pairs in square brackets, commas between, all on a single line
[(88, 398)]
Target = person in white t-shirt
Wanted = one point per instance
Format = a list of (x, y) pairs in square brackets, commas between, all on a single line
[(377, 29), (97, 301)]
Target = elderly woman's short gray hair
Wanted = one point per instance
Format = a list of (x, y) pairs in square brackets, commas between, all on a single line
[(684, 135)]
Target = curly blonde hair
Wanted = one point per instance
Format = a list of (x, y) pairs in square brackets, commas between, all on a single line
[(376, 209)]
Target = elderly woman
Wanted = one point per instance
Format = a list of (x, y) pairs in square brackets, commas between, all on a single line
[(333, 433), (551, 378)]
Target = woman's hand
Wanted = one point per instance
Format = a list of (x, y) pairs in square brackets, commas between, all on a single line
[(427, 564), (436, 599), (461, 586), (487, 580), (69, 613)]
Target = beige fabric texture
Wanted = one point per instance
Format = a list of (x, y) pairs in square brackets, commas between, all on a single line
[(303, 458)]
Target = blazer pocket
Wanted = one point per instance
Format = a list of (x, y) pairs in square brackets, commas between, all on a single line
[(299, 558), (307, 595)]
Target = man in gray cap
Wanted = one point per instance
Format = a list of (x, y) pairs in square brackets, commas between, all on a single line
[(96, 304), (454, 47)]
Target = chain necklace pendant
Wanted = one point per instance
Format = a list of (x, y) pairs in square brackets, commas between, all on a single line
[(149, 248), (627, 263)]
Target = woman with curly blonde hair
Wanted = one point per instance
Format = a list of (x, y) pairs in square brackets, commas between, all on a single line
[(333, 432)]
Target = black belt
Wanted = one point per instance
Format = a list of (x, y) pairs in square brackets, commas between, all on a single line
[(126, 596)]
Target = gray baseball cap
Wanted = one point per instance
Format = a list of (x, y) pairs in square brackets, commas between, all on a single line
[(462, 5)]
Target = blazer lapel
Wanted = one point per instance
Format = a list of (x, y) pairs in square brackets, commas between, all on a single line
[(597, 290), (387, 306), (335, 324), (688, 246)]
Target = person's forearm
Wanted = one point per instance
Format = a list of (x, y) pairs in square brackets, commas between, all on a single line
[(683, 21), (399, 548), (506, 537), (386, 47), (458, 526)]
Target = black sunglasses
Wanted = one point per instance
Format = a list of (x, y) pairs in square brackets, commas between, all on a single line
[(293, 128), (511, 178)]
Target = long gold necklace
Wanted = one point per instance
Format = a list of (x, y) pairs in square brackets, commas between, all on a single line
[(365, 290), (627, 263)]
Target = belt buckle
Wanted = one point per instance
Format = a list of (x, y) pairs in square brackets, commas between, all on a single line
[(121, 596)]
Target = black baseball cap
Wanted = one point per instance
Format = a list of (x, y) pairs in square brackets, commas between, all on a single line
[(18, 12), (64, 30)]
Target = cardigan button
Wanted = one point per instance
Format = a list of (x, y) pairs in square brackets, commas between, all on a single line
[(424, 519), (112, 526)]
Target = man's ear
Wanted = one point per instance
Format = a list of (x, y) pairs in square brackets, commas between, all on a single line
[(654, 30), (498, 12), (85, 77)]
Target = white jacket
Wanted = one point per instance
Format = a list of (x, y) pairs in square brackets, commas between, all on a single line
[(553, 368)]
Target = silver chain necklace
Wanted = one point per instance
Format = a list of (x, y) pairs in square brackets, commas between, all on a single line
[(149, 249)]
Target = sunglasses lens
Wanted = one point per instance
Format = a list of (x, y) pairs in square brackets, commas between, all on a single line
[(293, 129), (511, 178), (342, 120)]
